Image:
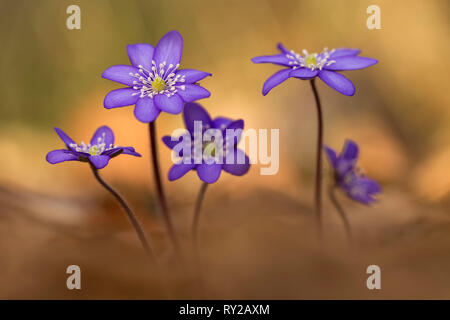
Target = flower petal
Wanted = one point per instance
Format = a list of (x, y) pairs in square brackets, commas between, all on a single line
[(64, 137), (363, 190), (57, 156), (235, 132), (338, 82), (130, 151), (279, 59), (145, 110), (221, 122), (169, 49), (121, 98), (121, 74), (103, 134), (239, 165), (343, 52), (304, 73), (350, 151), (99, 161), (173, 104), (347, 158), (192, 93), (192, 75), (209, 173), (141, 54), (332, 157), (195, 112), (275, 80), (283, 49), (170, 141), (180, 169), (351, 63), (123, 150), (372, 186)]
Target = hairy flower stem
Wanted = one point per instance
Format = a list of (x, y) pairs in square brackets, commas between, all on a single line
[(198, 206), (318, 189), (159, 187), (341, 212), (134, 221)]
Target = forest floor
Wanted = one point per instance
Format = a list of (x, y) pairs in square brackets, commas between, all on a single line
[(262, 245)]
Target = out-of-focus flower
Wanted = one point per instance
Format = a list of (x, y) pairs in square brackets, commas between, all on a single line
[(219, 151), (324, 65), (347, 176), (97, 152), (155, 82)]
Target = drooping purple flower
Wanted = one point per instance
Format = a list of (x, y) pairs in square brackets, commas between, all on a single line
[(347, 176), (324, 65), (155, 82), (98, 152), (212, 156)]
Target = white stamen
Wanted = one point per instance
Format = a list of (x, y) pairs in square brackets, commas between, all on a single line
[(93, 149), (321, 60), (165, 76)]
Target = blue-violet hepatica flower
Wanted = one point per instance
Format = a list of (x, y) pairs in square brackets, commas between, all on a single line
[(97, 152), (347, 176), (208, 147), (324, 65), (155, 81)]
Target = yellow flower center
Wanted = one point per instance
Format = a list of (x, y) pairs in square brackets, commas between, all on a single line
[(210, 149), (311, 60), (158, 84), (94, 150)]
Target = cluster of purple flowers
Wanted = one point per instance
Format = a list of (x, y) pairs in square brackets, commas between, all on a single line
[(155, 82)]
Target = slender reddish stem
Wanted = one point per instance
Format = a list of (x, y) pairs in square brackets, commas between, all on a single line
[(159, 187), (133, 219), (318, 187)]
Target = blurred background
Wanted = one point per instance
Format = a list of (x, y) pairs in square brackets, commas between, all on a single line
[(258, 231)]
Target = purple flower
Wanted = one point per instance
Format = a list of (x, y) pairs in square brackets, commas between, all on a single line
[(97, 152), (324, 65), (213, 155), (355, 185), (155, 82)]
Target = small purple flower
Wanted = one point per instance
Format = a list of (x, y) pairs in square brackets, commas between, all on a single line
[(97, 152), (355, 185), (155, 82), (213, 156), (310, 65)]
